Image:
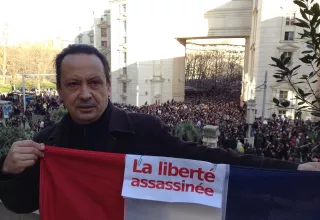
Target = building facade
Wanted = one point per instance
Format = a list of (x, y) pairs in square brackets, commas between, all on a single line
[(102, 34), (149, 39), (85, 37), (99, 35)]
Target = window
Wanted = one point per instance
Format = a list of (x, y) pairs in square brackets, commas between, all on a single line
[(282, 112), (256, 2), (104, 43), (124, 40), (124, 70), (288, 35), (283, 95), (123, 8), (104, 18), (290, 19), (91, 40), (124, 87), (124, 26), (80, 39), (103, 32), (125, 58), (288, 54)]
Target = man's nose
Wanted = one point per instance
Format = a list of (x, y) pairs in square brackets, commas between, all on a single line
[(85, 93)]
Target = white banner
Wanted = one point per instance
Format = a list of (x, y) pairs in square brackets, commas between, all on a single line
[(175, 180)]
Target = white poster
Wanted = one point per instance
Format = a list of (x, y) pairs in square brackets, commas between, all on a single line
[(175, 180)]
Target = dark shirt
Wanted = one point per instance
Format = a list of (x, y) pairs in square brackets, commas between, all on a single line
[(89, 137)]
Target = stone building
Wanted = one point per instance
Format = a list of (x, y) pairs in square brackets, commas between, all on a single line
[(149, 43), (85, 37), (99, 35), (102, 34)]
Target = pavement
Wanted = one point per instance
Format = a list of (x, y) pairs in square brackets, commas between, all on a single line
[(5, 214)]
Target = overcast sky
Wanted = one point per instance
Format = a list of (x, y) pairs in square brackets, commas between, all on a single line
[(48, 19)]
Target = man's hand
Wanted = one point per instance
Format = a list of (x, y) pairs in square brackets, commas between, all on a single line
[(311, 166), (22, 154)]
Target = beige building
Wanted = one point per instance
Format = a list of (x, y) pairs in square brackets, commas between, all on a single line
[(85, 37), (102, 34), (99, 35), (149, 39)]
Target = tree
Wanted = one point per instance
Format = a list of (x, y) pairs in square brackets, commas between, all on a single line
[(188, 132), (309, 100), (9, 135), (4, 51), (209, 65), (57, 115), (28, 58)]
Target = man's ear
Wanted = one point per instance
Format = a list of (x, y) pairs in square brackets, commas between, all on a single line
[(109, 87)]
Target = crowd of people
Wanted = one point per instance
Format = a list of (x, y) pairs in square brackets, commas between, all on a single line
[(277, 137), (37, 115)]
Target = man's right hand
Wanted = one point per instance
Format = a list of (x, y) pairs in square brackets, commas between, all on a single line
[(22, 154)]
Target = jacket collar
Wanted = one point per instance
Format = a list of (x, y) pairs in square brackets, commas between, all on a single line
[(119, 122)]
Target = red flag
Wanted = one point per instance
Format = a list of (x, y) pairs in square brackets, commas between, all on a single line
[(77, 184)]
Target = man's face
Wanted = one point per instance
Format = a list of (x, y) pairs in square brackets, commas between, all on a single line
[(83, 87)]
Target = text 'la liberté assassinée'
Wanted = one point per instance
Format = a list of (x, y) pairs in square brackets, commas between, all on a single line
[(168, 169)]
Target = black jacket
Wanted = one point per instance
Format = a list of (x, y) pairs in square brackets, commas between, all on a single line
[(119, 132)]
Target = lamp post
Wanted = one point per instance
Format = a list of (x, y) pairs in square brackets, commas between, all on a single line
[(250, 118)]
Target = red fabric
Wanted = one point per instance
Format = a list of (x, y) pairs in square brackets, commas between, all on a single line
[(77, 184)]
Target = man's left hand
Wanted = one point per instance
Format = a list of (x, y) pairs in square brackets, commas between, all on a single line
[(311, 166)]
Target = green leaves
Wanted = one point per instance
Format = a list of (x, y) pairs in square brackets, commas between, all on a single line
[(57, 115), (315, 9), (295, 68), (301, 92), (303, 14), (306, 59), (302, 107), (279, 63), (286, 60), (188, 132), (276, 101), (285, 103), (309, 23), (304, 77), (277, 76), (300, 3), (302, 23), (315, 113), (8, 135), (307, 51)]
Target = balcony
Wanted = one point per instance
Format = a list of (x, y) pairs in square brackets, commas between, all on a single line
[(123, 15), (104, 23)]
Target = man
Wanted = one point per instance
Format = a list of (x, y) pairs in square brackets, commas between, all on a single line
[(41, 126), (93, 123)]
